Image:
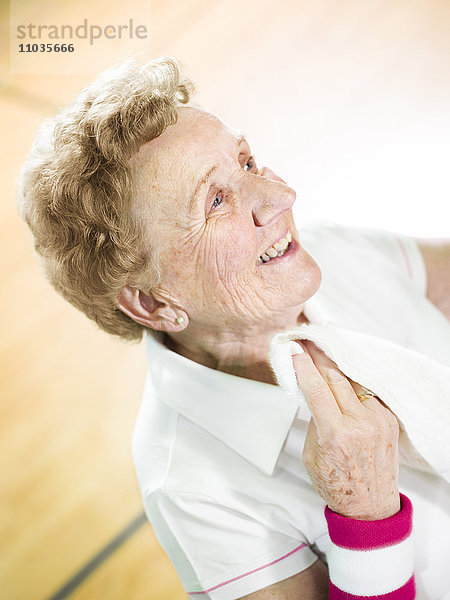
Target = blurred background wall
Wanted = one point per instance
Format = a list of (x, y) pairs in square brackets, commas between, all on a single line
[(347, 100)]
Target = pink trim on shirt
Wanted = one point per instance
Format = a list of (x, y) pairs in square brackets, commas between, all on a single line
[(405, 256), (250, 572)]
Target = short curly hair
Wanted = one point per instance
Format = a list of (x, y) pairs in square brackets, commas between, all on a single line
[(75, 189)]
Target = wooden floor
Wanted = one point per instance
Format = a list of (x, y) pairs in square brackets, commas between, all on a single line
[(348, 101)]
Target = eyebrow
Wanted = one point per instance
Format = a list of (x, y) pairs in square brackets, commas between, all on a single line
[(203, 179), (207, 174)]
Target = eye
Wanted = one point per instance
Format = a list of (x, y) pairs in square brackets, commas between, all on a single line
[(250, 165), (217, 200)]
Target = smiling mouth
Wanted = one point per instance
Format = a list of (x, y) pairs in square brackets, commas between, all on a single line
[(276, 250)]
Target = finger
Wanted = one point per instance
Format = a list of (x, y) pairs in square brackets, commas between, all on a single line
[(341, 387), (367, 398), (372, 402), (321, 402), (310, 445), (360, 390)]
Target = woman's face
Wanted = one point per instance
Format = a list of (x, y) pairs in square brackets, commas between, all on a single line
[(214, 216)]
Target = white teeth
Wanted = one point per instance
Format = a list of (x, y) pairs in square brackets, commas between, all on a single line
[(281, 245), (277, 249)]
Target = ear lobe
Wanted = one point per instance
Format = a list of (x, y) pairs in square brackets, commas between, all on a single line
[(150, 312)]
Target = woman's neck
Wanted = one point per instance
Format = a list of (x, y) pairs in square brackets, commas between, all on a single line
[(246, 356)]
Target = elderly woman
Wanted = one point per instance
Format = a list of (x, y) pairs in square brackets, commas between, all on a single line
[(152, 216)]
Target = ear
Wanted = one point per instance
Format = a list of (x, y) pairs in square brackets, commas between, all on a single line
[(151, 310)]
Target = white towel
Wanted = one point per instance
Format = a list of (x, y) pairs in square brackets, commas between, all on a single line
[(415, 387)]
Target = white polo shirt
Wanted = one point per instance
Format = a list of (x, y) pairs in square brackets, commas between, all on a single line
[(218, 457)]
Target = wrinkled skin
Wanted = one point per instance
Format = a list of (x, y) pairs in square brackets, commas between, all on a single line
[(220, 307), (208, 246), (351, 448)]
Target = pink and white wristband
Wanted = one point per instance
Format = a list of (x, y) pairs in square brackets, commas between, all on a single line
[(371, 560)]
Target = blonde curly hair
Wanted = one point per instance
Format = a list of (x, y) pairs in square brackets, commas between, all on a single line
[(75, 189)]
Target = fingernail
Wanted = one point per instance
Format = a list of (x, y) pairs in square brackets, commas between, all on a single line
[(295, 348)]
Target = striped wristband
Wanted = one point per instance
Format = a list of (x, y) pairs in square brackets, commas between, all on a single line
[(371, 560)]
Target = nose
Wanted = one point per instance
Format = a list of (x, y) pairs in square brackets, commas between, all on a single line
[(269, 196)]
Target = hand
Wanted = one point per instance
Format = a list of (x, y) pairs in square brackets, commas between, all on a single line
[(351, 448)]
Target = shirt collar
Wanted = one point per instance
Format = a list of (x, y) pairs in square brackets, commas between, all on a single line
[(251, 417)]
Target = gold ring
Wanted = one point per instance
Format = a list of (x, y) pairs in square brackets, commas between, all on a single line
[(366, 396)]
